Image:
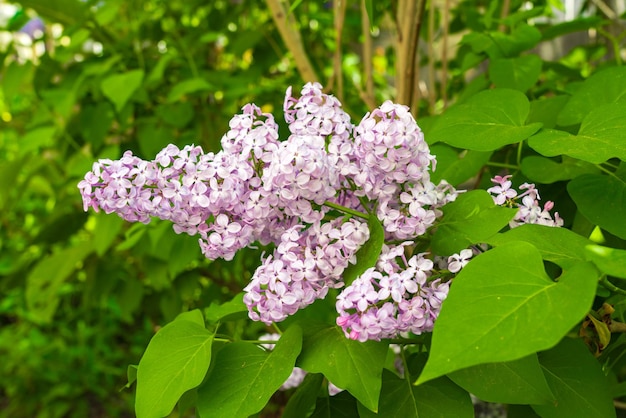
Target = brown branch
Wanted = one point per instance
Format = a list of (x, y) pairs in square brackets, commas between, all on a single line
[(409, 17), (368, 95), (444, 54), (339, 15), (289, 32)]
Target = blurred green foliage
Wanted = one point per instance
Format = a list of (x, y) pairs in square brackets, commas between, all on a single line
[(81, 294)]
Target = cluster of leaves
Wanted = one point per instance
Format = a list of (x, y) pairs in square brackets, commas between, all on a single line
[(85, 292)]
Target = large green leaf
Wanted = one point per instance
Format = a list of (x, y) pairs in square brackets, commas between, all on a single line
[(45, 280), (607, 86), (602, 200), (578, 382), (367, 255), (342, 405), (245, 376), (439, 398), (175, 361), (351, 365), (558, 245), (304, 397), (485, 122), (546, 171), (609, 261), (503, 306), (600, 138), (519, 73), (498, 44), (546, 109), (119, 88), (470, 219), (455, 167), (518, 381), (217, 311)]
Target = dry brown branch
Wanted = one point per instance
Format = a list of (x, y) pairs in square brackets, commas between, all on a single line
[(339, 9), (368, 95), (409, 17)]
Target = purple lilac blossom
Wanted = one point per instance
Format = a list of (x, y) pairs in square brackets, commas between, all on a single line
[(388, 300), (259, 189), (530, 210)]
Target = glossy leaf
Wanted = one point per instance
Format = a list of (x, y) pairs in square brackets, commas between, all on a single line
[(245, 376), (472, 218), (119, 88), (514, 382), (607, 86), (602, 200), (558, 245), (342, 405), (216, 311), (485, 122), (600, 137), (367, 255), (546, 171), (609, 261), (175, 361), (351, 365), (505, 313), (519, 73), (579, 385), (304, 397), (456, 168), (435, 399)]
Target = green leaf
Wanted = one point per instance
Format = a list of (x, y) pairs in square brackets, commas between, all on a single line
[(217, 311), (519, 73), (485, 122), (45, 280), (304, 397), (367, 255), (580, 386), (438, 398), (498, 44), (503, 306), (602, 200), (189, 86), (546, 109), (107, 229), (35, 139), (470, 219), (194, 316), (351, 365), (546, 171), (245, 376), (609, 261), (518, 381), (600, 138), (580, 24), (456, 168), (342, 405), (175, 361), (604, 87), (558, 245), (152, 135), (119, 88)]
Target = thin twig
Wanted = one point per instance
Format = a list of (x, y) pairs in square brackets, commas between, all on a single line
[(506, 7), (287, 27), (431, 56), (368, 94), (339, 8), (409, 15), (444, 54)]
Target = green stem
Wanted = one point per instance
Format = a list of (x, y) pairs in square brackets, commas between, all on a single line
[(609, 172), (278, 330), (406, 341), (346, 210), (502, 165), (519, 153), (604, 281)]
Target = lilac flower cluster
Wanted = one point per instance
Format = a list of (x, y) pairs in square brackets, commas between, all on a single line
[(530, 211), (308, 197)]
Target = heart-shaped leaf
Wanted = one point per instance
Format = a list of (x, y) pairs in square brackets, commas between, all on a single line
[(505, 313)]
